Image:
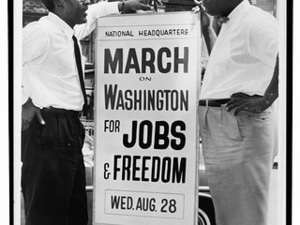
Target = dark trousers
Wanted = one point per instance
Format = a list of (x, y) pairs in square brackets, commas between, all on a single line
[(53, 172)]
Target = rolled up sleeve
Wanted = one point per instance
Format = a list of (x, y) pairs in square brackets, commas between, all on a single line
[(94, 12), (263, 40), (35, 44)]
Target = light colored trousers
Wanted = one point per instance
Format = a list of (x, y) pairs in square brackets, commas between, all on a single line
[(238, 155)]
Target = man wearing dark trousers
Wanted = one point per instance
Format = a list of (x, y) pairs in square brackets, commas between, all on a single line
[(53, 172), (236, 112)]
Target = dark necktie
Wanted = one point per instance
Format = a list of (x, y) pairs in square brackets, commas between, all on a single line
[(80, 73)]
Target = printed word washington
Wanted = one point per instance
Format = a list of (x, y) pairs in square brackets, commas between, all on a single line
[(146, 100)]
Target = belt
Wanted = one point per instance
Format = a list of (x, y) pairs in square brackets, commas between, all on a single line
[(56, 111), (214, 102)]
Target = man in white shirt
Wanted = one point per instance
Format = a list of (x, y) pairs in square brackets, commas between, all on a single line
[(53, 173), (235, 114)]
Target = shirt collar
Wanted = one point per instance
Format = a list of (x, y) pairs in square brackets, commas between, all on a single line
[(239, 10), (62, 25)]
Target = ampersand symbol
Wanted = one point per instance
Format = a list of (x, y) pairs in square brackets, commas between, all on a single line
[(106, 173)]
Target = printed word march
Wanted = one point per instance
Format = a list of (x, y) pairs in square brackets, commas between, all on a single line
[(165, 60)]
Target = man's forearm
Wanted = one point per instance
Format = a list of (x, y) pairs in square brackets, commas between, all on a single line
[(271, 94)]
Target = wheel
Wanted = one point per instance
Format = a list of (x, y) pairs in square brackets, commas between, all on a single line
[(206, 212)]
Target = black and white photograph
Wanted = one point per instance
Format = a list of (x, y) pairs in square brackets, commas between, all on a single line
[(141, 112)]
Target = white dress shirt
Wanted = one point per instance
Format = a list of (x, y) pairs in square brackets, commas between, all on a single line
[(244, 55), (49, 72)]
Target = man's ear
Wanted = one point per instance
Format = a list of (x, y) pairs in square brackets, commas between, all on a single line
[(59, 3)]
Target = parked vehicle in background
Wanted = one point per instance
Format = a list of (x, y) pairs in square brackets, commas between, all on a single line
[(206, 213)]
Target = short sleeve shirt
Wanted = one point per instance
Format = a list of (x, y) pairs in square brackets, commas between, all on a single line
[(244, 55), (49, 70)]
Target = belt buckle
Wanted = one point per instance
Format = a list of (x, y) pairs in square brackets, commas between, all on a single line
[(206, 102)]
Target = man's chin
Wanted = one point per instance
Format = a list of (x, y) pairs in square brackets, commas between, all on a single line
[(211, 13), (83, 20)]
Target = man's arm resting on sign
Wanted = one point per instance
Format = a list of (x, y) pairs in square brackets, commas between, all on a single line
[(133, 5)]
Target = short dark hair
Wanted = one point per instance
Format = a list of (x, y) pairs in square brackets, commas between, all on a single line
[(49, 4)]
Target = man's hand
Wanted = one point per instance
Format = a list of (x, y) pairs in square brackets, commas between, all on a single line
[(256, 104), (133, 5), (29, 110), (243, 102)]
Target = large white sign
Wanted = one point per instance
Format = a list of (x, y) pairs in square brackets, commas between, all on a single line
[(147, 81)]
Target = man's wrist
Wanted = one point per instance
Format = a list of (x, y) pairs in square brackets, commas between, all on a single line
[(121, 7), (28, 102), (268, 99)]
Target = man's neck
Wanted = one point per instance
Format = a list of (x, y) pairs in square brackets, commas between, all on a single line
[(63, 17), (231, 6)]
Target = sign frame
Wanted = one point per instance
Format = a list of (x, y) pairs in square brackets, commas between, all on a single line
[(195, 21)]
